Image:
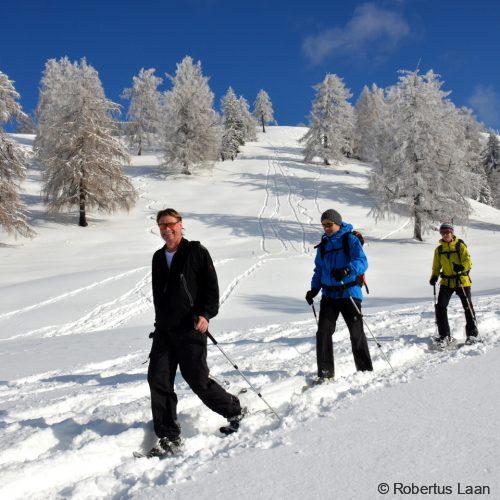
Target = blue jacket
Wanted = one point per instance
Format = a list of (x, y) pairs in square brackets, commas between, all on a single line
[(335, 258)]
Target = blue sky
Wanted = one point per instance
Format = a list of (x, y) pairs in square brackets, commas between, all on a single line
[(284, 47)]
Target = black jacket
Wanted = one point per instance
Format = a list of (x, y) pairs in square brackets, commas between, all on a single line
[(189, 289)]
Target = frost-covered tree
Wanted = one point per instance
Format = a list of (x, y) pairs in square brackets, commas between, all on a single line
[(491, 163), (59, 78), (249, 123), (419, 165), (471, 143), (9, 105), (491, 154), (13, 163), (233, 135), (229, 148), (263, 109), (144, 113), (369, 113), (331, 128), (83, 167), (191, 130)]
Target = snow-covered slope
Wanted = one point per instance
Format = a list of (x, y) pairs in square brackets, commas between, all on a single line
[(75, 311)]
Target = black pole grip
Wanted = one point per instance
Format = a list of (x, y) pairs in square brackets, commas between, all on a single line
[(210, 336)]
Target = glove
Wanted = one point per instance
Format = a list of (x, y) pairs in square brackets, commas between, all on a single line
[(340, 274), (458, 268), (433, 280), (311, 294)]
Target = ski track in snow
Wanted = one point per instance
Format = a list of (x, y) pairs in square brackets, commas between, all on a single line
[(290, 196), (267, 254), (72, 293), (110, 315), (53, 424), (276, 212)]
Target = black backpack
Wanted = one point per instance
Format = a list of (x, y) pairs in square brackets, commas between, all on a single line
[(448, 252)]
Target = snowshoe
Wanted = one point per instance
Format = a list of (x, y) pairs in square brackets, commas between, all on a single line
[(233, 423), (473, 339), (164, 448), (443, 342), (318, 381)]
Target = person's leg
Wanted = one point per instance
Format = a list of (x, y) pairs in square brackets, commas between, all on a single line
[(192, 353), (442, 312), (328, 315), (161, 376), (470, 315), (354, 321)]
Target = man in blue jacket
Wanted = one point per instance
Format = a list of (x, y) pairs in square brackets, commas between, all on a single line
[(339, 265)]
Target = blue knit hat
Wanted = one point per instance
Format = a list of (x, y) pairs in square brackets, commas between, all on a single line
[(446, 226)]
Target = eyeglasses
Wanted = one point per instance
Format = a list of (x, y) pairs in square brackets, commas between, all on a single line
[(169, 225), (327, 224)]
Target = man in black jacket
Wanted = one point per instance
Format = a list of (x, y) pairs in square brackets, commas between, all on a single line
[(186, 297)]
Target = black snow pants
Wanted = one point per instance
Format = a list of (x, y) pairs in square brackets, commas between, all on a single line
[(328, 315), (188, 351), (444, 296)]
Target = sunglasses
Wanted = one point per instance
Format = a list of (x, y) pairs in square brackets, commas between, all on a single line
[(169, 225), (445, 232), (327, 224)]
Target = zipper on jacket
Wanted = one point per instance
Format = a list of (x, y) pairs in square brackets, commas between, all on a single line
[(187, 290)]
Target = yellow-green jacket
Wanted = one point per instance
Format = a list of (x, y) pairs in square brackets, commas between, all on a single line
[(447, 254)]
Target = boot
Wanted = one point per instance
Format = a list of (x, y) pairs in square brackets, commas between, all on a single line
[(165, 447)]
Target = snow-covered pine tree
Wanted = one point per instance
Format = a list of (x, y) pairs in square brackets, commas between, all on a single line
[(234, 130), (368, 113), (419, 165), (9, 106), (471, 143), (144, 113), (191, 130), (13, 163), (84, 166), (331, 130), (263, 109), (249, 124), (491, 164), (58, 80)]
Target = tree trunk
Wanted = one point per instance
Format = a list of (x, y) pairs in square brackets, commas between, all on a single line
[(186, 169), (263, 128), (417, 228), (325, 146), (83, 218)]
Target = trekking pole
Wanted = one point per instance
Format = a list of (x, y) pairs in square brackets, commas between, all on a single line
[(435, 309), (368, 328), (314, 311), (469, 306), (235, 366)]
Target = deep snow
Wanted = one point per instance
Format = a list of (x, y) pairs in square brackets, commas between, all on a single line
[(75, 311)]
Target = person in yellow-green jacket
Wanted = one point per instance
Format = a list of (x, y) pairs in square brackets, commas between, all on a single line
[(452, 263)]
